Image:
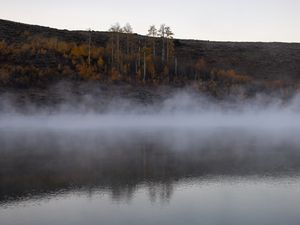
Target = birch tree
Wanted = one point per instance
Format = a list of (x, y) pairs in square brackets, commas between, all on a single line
[(145, 66), (127, 29), (169, 36), (116, 30), (90, 40), (162, 34), (152, 32)]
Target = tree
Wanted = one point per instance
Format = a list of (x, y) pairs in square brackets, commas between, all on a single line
[(176, 66), (90, 39), (116, 30), (152, 32), (145, 66), (169, 36), (162, 33), (127, 30)]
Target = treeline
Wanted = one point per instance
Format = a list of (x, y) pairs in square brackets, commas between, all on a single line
[(125, 57), (134, 58)]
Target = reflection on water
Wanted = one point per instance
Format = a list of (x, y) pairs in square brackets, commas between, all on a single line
[(230, 176)]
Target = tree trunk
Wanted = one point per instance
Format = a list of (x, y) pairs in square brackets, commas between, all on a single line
[(154, 53), (112, 50), (89, 58), (176, 67), (139, 56), (136, 66), (118, 50), (144, 79), (163, 50), (127, 44), (167, 50)]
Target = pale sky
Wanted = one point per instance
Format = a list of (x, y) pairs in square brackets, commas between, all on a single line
[(224, 20)]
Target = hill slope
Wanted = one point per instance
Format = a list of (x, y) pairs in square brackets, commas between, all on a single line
[(36, 49)]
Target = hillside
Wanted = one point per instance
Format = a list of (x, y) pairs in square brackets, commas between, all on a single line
[(36, 56)]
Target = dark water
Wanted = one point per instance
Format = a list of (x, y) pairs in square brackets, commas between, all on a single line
[(218, 176)]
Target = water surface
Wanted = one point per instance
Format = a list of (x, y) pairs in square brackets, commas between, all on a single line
[(163, 175)]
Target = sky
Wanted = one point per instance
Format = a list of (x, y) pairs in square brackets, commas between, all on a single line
[(215, 20)]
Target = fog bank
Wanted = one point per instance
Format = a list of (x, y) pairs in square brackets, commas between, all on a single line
[(180, 110)]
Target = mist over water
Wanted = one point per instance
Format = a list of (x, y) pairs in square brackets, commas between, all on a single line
[(179, 110), (148, 150), (180, 120)]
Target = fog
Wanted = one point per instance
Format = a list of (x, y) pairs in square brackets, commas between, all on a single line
[(179, 111), (181, 120), (61, 139)]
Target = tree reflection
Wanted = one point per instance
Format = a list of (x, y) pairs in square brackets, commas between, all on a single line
[(43, 163)]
